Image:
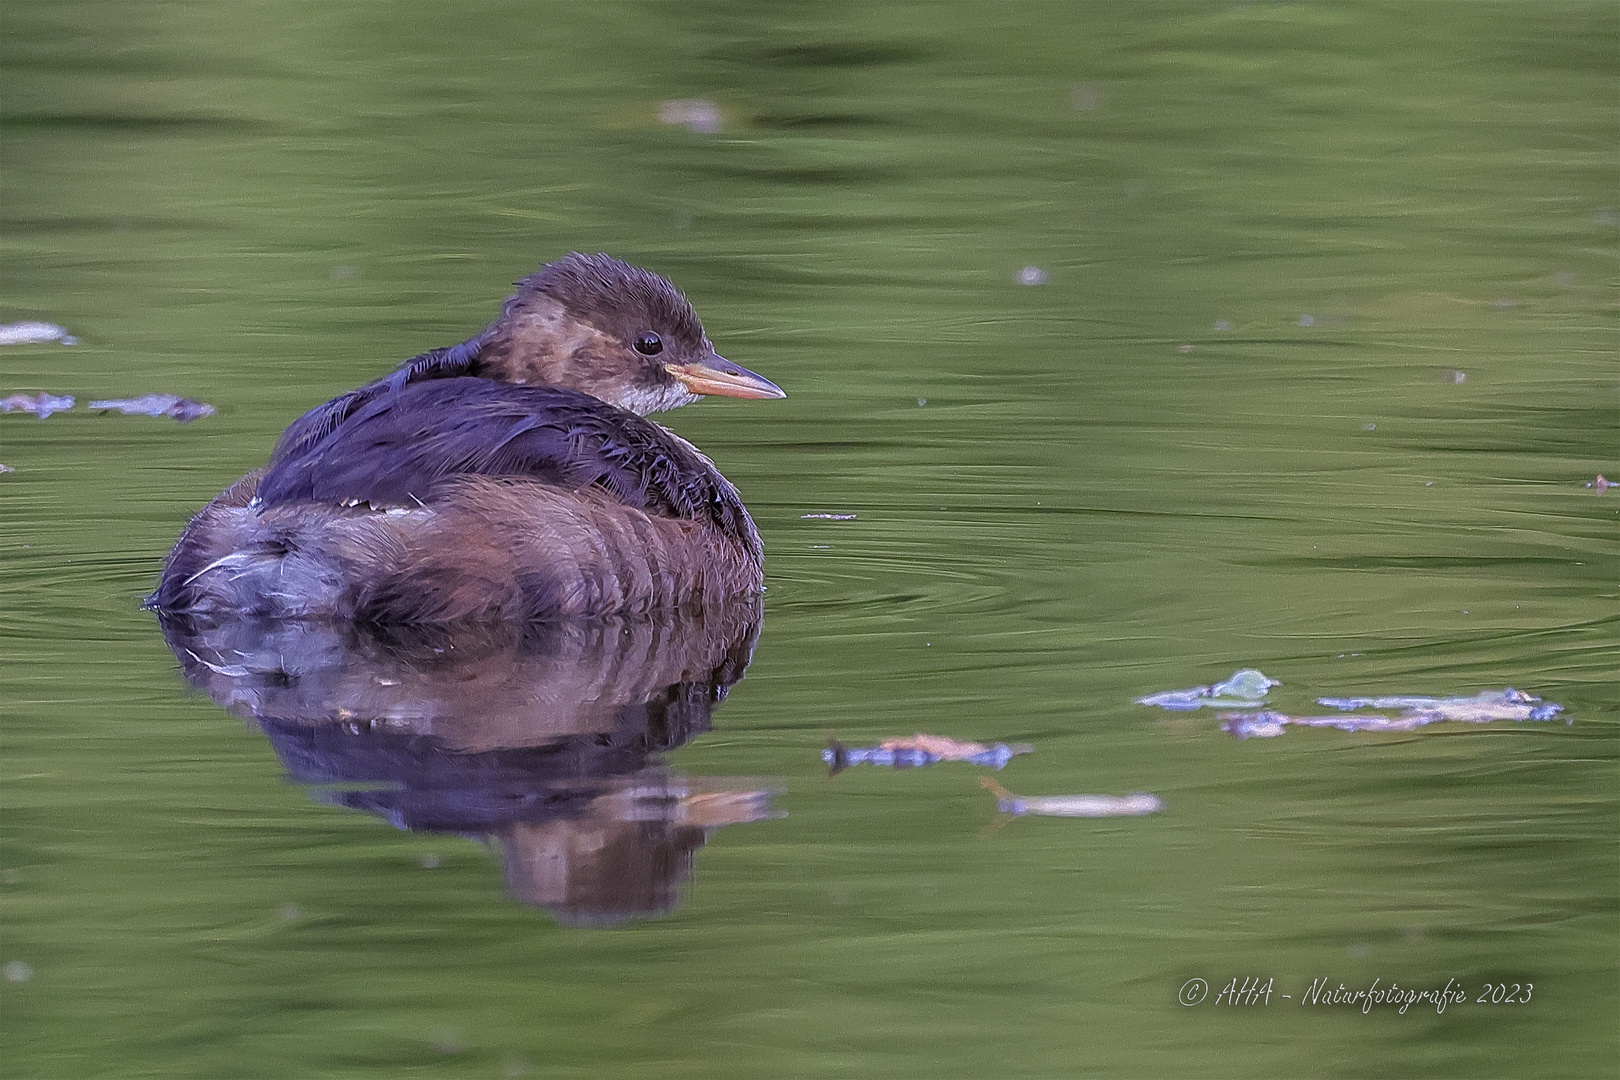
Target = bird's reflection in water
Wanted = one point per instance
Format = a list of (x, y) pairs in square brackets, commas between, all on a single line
[(544, 738)]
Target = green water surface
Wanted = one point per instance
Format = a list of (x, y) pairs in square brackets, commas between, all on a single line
[(1323, 350)]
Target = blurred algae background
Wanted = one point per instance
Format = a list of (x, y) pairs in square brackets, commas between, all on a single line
[(1146, 341)]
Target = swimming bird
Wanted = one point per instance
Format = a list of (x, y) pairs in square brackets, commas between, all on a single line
[(510, 477)]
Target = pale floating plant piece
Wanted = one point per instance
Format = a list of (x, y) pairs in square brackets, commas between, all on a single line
[(1268, 723), (1245, 687), (941, 746), (916, 751), (827, 517), (35, 333), (697, 115), (4, 468), (41, 404), (1265, 724), (1482, 708), (1086, 98), (1602, 483), (1135, 804), (182, 409), (1487, 705)]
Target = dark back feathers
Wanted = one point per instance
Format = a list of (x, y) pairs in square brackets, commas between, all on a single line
[(395, 449)]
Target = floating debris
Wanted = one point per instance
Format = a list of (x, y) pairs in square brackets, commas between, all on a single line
[(697, 115), (40, 404), (916, 751), (35, 333), (1223, 324), (826, 517), (182, 409), (4, 468), (1602, 483), (1268, 724), (1487, 705), (1132, 805), (1482, 708), (1032, 275), (1244, 688), (1086, 98)]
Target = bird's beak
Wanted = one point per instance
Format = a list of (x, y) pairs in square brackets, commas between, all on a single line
[(714, 374)]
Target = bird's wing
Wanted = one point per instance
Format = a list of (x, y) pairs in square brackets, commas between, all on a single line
[(394, 450)]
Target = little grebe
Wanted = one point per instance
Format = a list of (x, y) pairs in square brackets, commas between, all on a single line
[(509, 477)]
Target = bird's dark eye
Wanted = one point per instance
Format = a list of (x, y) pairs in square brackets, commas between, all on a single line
[(649, 344)]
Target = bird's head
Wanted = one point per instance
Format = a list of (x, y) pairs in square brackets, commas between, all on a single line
[(617, 332)]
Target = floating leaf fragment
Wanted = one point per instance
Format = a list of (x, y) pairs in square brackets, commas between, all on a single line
[(182, 409), (35, 333), (1133, 805), (916, 751), (697, 115), (1245, 687), (1482, 708), (41, 404), (826, 517), (1485, 706)]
